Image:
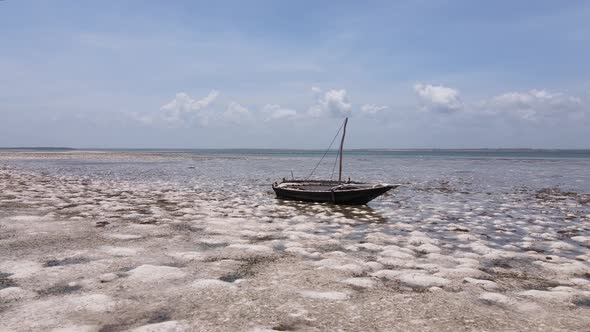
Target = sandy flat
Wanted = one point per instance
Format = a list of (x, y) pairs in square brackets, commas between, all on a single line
[(80, 255)]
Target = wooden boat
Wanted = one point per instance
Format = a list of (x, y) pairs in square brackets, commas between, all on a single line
[(328, 191)]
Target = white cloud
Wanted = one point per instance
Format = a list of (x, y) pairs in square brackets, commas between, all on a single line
[(534, 105), (183, 105), (276, 112), (371, 109), (438, 98), (331, 103), (183, 109), (236, 113)]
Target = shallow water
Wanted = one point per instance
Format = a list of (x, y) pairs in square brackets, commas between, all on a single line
[(500, 195)]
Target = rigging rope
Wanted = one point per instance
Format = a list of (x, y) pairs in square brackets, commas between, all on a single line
[(325, 153)]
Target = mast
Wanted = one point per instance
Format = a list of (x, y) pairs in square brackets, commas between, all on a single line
[(341, 145)]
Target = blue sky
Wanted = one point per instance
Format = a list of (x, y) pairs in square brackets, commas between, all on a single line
[(278, 74)]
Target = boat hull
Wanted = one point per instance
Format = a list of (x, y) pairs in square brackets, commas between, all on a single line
[(349, 197)]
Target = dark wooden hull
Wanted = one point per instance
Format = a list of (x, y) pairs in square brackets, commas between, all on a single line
[(350, 197)]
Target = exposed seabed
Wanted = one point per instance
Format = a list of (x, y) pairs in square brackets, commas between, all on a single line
[(84, 255)]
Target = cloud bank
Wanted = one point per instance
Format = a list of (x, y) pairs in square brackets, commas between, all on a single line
[(536, 105), (437, 102)]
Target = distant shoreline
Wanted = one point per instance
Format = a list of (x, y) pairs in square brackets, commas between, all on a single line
[(40, 148), (58, 149)]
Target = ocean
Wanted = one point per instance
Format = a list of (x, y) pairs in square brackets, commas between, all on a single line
[(474, 171)]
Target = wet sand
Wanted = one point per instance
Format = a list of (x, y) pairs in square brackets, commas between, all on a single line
[(80, 254)]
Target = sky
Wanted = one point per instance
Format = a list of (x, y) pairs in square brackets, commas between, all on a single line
[(284, 74)]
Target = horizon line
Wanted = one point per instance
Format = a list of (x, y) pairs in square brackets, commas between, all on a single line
[(291, 149)]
